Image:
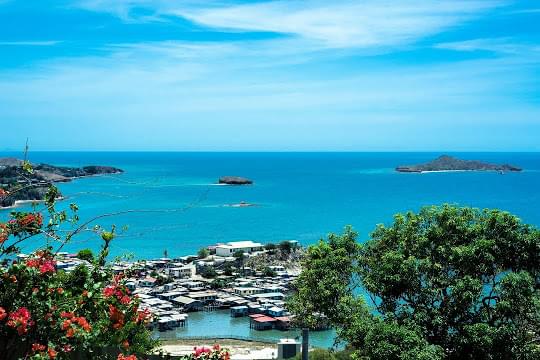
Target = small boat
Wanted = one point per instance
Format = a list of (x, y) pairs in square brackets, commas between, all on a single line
[(241, 204)]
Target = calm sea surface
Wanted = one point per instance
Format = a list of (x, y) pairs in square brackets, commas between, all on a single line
[(301, 196)]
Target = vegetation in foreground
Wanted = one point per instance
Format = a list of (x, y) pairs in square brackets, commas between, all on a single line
[(446, 283), (88, 313)]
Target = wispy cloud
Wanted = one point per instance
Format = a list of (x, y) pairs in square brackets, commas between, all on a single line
[(334, 24), (30, 43), (496, 45)]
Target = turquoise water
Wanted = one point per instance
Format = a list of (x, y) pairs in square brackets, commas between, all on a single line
[(301, 196), (223, 325)]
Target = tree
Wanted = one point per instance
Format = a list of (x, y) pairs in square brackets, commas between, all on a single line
[(268, 272), (240, 257), (285, 247), (228, 269), (86, 254), (203, 253), (208, 272), (270, 246), (446, 283)]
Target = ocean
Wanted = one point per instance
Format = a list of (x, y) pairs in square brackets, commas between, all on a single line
[(178, 208)]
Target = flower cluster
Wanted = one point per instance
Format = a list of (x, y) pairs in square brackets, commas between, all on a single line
[(26, 223), (47, 313), (43, 261), (72, 324), (20, 320), (215, 353), (44, 351), (126, 357)]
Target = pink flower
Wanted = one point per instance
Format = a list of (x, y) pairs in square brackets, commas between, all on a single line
[(198, 351), (48, 266)]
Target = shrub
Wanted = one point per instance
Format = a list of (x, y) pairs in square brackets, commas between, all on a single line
[(49, 313)]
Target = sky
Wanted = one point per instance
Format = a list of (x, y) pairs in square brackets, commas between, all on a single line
[(238, 75)]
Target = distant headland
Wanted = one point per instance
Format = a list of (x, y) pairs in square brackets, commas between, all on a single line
[(19, 185), (449, 163)]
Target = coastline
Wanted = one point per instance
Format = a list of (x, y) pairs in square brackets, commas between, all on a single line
[(19, 203)]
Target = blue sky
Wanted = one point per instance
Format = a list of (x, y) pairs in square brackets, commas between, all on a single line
[(403, 75)]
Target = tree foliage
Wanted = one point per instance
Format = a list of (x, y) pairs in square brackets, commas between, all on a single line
[(86, 254), (203, 253), (446, 283)]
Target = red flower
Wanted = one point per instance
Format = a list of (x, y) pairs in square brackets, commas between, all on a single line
[(109, 291), (124, 357), (67, 348), (66, 325), (60, 291), (125, 299), (48, 266), (82, 322), (52, 353), (3, 313), (38, 347), (20, 320), (125, 344), (66, 315), (117, 317), (70, 332), (85, 293), (33, 263), (143, 316)]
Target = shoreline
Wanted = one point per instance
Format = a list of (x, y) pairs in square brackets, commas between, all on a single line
[(19, 203), (451, 171)]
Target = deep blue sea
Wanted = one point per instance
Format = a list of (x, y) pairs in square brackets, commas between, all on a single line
[(300, 196)]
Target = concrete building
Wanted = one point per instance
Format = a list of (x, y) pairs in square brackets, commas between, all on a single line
[(247, 291), (230, 248)]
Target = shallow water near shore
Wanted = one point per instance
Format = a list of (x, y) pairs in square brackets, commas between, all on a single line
[(221, 324), (301, 196)]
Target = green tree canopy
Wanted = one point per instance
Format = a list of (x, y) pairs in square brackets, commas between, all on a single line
[(86, 254), (446, 283), (203, 253)]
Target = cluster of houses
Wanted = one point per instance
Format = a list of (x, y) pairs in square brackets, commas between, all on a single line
[(172, 288)]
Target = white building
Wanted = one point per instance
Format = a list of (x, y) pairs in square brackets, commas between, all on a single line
[(183, 272), (230, 248)]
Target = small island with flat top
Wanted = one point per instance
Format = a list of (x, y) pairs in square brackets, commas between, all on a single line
[(449, 163), (234, 180)]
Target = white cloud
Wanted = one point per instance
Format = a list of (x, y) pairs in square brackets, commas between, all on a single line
[(497, 45), (333, 24)]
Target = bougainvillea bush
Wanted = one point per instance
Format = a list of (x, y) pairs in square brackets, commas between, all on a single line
[(46, 313)]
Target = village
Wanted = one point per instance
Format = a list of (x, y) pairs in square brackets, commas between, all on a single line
[(248, 278)]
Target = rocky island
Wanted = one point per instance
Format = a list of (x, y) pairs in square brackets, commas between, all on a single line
[(16, 184), (449, 163), (234, 180)]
